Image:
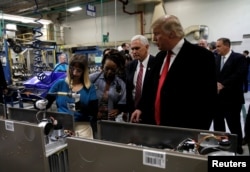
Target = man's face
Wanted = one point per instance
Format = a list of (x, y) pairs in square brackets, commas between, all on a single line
[(63, 59), (127, 47), (202, 43), (161, 38), (221, 48), (139, 50)]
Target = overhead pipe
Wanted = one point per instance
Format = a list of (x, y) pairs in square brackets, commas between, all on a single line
[(124, 3)]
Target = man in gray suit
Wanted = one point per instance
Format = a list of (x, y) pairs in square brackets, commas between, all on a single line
[(188, 93)]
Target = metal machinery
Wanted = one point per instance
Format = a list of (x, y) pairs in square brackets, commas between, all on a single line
[(93, 53), (27, 62), (31, 80), (28, 55), (27, 146), (32, 142), (23, 57), (136, 147)]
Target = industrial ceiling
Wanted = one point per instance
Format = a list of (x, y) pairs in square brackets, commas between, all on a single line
[(29, 7)]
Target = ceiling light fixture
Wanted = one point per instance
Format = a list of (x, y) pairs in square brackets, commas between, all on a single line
[(24, 19), (73, 9)]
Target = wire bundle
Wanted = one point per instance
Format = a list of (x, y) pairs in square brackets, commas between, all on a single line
[(39, 67)]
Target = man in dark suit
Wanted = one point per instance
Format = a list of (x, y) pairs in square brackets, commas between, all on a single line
[(231, 71), (140, 52), (3, 84), (247, 129), (246, 54), (189, 92)]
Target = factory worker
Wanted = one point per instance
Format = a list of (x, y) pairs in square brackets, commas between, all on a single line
[(77, 96)]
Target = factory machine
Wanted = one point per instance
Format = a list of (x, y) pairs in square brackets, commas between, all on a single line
[(137, 147), (36, 89), (31, 141), (34, 140)]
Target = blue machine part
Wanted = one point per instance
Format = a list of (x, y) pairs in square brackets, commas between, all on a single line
[(6, 66), (37, 89)]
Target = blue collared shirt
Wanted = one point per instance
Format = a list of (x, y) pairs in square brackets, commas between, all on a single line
[(116, 93)]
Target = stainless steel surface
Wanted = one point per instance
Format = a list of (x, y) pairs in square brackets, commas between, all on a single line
[(154, 136), (99, 156), (59, 161), (29, 115), (22, 147), (2, 111), (125, 147)]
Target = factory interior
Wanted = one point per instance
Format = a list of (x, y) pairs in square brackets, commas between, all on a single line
[(33, 33)]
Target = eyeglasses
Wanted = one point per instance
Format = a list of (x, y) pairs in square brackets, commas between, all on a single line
[(78, 70)]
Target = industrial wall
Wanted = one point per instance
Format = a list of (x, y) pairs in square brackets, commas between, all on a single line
[(224, 18)]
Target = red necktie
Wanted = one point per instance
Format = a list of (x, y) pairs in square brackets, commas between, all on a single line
[(158, 95), (138, 87)]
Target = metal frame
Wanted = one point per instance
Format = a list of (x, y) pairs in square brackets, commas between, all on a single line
[(99, 155), (22, 147), (113, 150), (154, 136), (29, 115), (2, 111)]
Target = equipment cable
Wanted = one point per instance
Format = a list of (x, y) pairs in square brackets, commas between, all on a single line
[(39, 67)]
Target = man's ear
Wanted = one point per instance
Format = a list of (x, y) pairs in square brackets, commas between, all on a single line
[(171, 34)]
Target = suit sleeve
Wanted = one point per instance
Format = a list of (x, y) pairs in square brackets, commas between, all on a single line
[(3, 83)]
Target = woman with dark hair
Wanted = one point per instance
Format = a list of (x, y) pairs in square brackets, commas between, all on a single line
[(120, 60), (110, 89), (81, 100)]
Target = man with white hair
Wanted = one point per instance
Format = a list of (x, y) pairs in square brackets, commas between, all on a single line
[(203, 43), (138, 70), (62, 64)]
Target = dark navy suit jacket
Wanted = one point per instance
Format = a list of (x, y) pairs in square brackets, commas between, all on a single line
[(232, 77), (189, 91), (130, 72)]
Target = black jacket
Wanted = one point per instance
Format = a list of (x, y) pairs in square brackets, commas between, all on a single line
[(130, 72), (189, 92)]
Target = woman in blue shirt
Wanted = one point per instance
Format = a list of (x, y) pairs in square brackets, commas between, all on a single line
[(80, 100), (110, 89)]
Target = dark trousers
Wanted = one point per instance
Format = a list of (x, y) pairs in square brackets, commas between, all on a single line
[(247, 128), (231, 113), (246, 81), (245, 85), (1, 97)]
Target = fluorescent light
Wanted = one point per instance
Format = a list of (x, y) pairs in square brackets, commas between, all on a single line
[(23, 19), (74, 9)]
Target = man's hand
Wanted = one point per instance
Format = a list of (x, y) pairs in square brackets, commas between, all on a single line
[(135, 117), (219, 87)]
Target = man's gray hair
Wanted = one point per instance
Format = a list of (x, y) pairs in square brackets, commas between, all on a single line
[(143, 39)]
